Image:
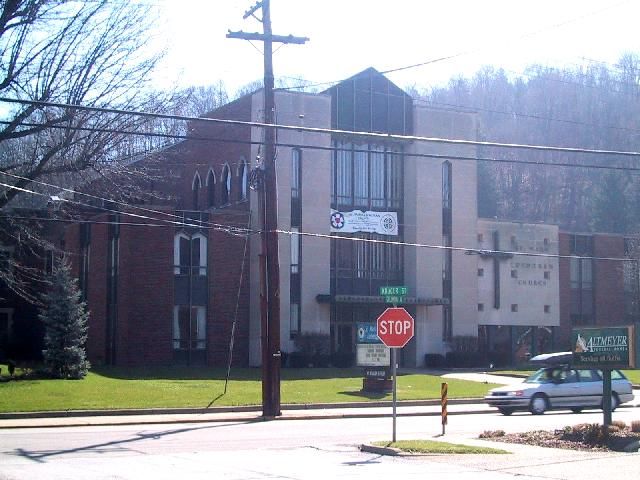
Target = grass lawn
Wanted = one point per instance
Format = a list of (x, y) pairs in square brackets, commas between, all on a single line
[(119, 388), (431, 446)]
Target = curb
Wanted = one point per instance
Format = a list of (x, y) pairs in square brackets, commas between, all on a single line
[(214, 410)]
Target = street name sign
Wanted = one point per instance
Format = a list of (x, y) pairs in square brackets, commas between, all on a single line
[(394, 295)]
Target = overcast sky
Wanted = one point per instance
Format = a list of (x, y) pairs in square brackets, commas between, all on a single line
[(347, 36)]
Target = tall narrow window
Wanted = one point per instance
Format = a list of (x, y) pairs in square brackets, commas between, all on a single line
[(226, 185), (196, 185), (296, 243), (189, 327), (85, 244), (113, 259), (190, 297), (447, 280), (190, 254), (211, 189), (243, 178), (581, 280)]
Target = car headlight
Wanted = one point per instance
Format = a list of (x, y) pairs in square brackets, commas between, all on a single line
[(516, 393)]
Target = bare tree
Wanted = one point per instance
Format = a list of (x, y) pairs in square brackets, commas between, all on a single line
[(68, 53)]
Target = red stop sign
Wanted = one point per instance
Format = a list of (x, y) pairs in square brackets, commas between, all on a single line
[(395, 327)]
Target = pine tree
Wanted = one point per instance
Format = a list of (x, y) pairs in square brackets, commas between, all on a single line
[(65, 318)]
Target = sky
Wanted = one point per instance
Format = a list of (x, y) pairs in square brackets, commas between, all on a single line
[(347, 36)]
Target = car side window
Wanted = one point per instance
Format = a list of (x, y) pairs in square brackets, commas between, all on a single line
[(571, 377), (588, 376), (617, 375)]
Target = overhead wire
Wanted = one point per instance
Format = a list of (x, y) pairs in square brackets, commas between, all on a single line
[(299, 128), (240, 231)]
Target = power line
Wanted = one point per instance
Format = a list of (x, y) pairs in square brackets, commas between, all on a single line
[(219, 227), (241, 231), (382, 136), (335, 148)]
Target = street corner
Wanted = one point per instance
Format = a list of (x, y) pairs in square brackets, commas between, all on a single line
[(390, 451)]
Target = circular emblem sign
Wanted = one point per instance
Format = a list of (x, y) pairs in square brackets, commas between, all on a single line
[(337, 220)]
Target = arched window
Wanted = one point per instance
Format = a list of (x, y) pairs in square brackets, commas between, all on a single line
[(226, 185), (196, 185), (190, 254), (211, 189), (243, 178)]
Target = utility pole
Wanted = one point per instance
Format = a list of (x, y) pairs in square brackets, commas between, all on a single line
[(268, 205)]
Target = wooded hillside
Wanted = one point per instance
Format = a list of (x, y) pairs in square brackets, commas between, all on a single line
[(591, 107)]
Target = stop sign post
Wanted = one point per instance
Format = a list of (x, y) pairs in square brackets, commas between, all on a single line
[(395, 327)]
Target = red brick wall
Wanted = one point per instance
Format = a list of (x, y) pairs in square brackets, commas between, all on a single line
[(609, 280), (226, 270), (144, 328), (608, 284), (145, 295)]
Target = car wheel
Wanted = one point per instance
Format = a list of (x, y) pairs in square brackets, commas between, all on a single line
[(505, 410), (615, 401), (576, 409), (539, 404)]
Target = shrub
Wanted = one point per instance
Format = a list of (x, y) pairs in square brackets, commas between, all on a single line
[(620, 424), (635, 426), (342, 359), (315, 348), (434, 360)]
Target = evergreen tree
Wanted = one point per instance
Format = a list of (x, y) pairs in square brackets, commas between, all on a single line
[(65, 318), (610, 206)]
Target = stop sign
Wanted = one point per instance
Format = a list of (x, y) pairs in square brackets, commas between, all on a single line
[(395, 327)]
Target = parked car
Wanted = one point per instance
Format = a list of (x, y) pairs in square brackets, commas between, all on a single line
[(560, 387)]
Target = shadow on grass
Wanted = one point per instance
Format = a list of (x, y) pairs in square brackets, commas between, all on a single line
[(367, 395), (210, 373)]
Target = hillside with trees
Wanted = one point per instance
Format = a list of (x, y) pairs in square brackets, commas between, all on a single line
[(587, 107)]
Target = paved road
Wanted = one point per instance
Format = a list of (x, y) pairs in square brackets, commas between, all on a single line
[(297, 449)]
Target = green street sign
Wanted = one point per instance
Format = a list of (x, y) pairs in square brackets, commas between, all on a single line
[(393, 291), (395, 299), (607, 347)]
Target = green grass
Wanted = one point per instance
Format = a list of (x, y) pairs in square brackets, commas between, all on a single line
[(431, 446), (175, 387)]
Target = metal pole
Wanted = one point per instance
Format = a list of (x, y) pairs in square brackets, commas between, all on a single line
[(606, 396), (393, 374)]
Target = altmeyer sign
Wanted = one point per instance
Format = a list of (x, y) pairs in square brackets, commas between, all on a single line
[(395, 327), (607, 347)]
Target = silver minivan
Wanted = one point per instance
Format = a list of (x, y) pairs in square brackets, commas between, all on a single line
[(560, 387)]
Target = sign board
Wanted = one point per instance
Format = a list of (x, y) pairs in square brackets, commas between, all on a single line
[(383, 223), (394, 295), (385, 291), (367, 333), (372, 355), (377, 372), (606, 347), (395, 327)]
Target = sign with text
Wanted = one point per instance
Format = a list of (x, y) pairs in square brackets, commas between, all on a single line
[(606, 347), (372, 355), (384, 223), (367, 333), (395, 327)]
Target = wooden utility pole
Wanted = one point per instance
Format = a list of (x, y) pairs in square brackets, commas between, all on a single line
[(268, 205)]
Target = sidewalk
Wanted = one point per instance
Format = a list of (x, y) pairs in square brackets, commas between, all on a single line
[(237, 414)]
